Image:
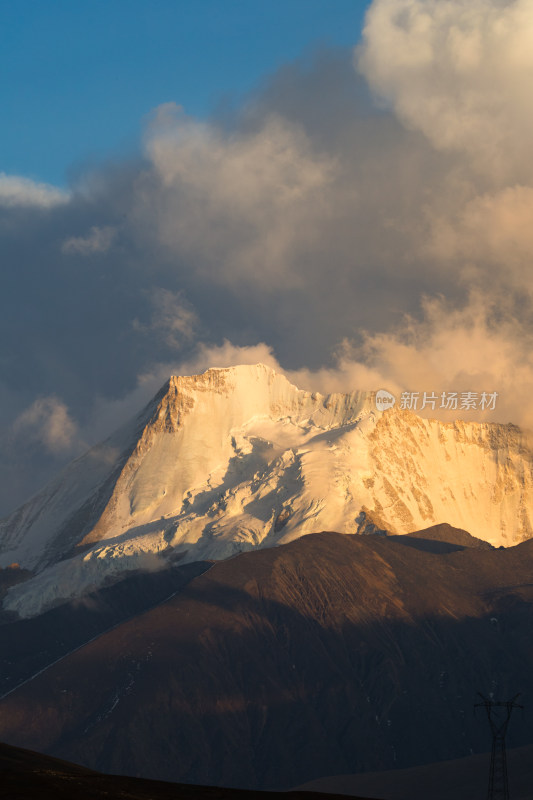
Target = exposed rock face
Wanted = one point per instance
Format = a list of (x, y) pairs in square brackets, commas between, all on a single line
[(239, 458), (331, 655), (477, 476)]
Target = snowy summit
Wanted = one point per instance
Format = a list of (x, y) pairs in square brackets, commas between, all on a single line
[(239, 458)]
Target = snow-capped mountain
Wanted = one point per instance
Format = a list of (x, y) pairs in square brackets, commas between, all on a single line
[(239, 458)]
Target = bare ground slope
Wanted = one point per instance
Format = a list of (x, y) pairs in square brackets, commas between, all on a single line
[(460, 779), (331, 655), (26, 775)]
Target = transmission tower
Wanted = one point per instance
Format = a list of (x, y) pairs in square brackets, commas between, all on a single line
[(498, 714)]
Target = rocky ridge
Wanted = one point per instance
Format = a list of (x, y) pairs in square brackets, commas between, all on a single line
[(239, 458)]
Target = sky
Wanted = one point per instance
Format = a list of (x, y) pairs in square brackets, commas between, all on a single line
[(342, 190), (83, 75)]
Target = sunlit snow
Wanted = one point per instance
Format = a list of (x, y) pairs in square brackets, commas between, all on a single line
[(239, 458)]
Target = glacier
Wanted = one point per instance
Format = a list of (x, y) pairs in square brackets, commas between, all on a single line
[(238, 458)]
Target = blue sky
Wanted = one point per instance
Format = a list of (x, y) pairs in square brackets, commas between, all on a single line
[(80, 75)]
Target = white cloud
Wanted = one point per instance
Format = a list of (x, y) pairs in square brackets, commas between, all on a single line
[(480, 347), (461, 72), (98, 240), (48, 421), (172, 317), (491, 232), (243, 205), (476, 348), (227, 355), (18, 191)]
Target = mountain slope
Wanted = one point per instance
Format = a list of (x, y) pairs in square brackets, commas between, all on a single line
[(332, 654), (461, 779), (26, 775), (238, 458)]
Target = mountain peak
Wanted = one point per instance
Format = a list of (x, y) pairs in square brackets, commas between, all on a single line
[(239, 393), (216, 378), (238, 458), (180, 393)]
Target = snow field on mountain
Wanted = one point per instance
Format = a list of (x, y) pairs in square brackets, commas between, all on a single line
[(239, 458)]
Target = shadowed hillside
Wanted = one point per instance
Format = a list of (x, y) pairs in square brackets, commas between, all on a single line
[(26, 775), (333, 654), (462, 779)]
